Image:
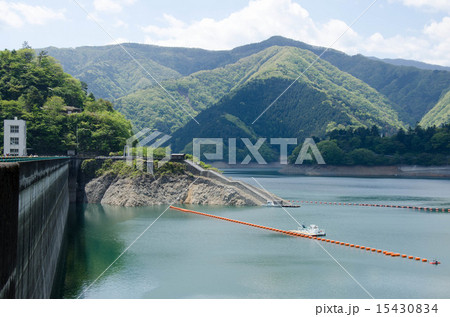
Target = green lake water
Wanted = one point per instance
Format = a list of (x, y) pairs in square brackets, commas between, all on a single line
[(189, 256)]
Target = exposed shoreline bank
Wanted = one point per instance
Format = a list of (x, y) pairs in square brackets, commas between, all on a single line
[(190, 185), (401, 171)]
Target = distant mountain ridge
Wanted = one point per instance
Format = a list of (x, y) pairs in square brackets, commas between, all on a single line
[(411, 63), (109, 72)]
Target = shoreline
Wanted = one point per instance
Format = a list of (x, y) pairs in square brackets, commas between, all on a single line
[(395, 171), (391, 171)]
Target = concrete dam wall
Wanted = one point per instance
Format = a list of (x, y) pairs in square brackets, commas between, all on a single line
[(34, 203)]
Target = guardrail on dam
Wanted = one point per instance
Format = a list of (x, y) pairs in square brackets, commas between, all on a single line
[(34, 203)]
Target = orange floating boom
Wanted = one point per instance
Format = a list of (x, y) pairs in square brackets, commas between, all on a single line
[(299, 234)]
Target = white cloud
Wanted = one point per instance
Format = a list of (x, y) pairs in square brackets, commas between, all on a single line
[(440, 5), (111, 6), (431, 45), (16, 14), (8, 16), (259, 20), (439, 35), (107, 6), (396, 46), (439, 30)]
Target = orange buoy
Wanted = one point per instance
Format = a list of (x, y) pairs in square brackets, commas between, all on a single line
[(410, 257), (352, 245), (303, 235)]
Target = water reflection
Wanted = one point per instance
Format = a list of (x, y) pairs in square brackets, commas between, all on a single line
[(91, 245)]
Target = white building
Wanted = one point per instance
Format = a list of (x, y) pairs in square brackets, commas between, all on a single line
[(15, 137)]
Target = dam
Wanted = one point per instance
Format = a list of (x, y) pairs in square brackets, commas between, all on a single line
[(34, 203)]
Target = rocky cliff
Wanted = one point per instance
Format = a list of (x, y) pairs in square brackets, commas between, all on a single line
[(144, 190)]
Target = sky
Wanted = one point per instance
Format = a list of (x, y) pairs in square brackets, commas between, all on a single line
[(410, 29)]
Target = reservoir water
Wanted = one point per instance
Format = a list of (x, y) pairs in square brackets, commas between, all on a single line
[(189, 256)]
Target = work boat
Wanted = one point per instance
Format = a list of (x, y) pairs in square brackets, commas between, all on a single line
[(274, 203), (312, 230)]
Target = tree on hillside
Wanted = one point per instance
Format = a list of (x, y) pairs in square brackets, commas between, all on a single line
[(36, 89)]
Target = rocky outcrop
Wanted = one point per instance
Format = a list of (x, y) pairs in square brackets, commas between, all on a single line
[(145, 190)]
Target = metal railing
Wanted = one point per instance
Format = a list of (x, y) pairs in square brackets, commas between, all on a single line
[(29, 158)]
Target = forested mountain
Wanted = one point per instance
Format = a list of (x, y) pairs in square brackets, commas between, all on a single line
[(60, 115), (362, 104), (194, 93), (324, 99), (440, 114), (111, 73), (412, 91)]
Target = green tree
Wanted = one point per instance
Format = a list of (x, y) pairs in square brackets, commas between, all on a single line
[(54, 106), (363, 157), (36, 89), (331, 152)]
